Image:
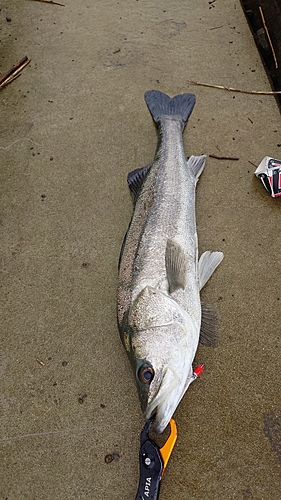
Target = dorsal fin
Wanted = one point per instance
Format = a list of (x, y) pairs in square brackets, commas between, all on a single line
[(176, 266), (136, 179)]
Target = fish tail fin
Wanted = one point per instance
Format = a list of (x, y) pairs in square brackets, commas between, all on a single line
[(161, 104)]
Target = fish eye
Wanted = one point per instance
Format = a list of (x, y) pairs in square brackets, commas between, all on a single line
[(146, 374)]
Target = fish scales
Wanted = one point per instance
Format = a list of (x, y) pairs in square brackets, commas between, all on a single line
[(158, 296), (165, 209)]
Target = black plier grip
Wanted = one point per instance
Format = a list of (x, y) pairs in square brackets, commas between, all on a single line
[(153, 461)]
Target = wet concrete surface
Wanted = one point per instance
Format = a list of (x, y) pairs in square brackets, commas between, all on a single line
[(71, 128)]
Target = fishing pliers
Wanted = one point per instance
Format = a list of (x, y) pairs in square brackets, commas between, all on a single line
[(153, 461)]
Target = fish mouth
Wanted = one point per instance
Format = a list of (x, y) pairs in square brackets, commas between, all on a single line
[(169, 394)]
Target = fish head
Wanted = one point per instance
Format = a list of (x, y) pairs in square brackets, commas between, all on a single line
[(163, 343), (163, 371)]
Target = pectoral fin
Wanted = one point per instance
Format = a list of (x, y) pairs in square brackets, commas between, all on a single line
[(209, 325), (176, 266), (207, 264)]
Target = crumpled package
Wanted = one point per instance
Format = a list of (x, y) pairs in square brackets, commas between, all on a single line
[(269, 172)]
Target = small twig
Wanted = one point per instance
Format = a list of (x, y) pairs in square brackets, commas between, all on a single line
[(40, 362), (50, 1), (268, 36), (253, 164), (14, 75), (14, 72), (10, 79), (231, 89), (224, 157)]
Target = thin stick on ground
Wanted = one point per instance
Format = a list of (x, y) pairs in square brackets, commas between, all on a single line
[(224, 157), (253, 164), (14, 71), (268, 36), (232, 89), (50, 1), (14, 75)]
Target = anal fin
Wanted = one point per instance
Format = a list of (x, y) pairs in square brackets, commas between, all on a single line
[(207, 264), (196, 164)]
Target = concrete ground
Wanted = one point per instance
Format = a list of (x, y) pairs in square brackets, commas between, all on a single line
[(71, 128)]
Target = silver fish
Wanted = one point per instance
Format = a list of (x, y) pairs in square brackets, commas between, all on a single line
[(160, 278)]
